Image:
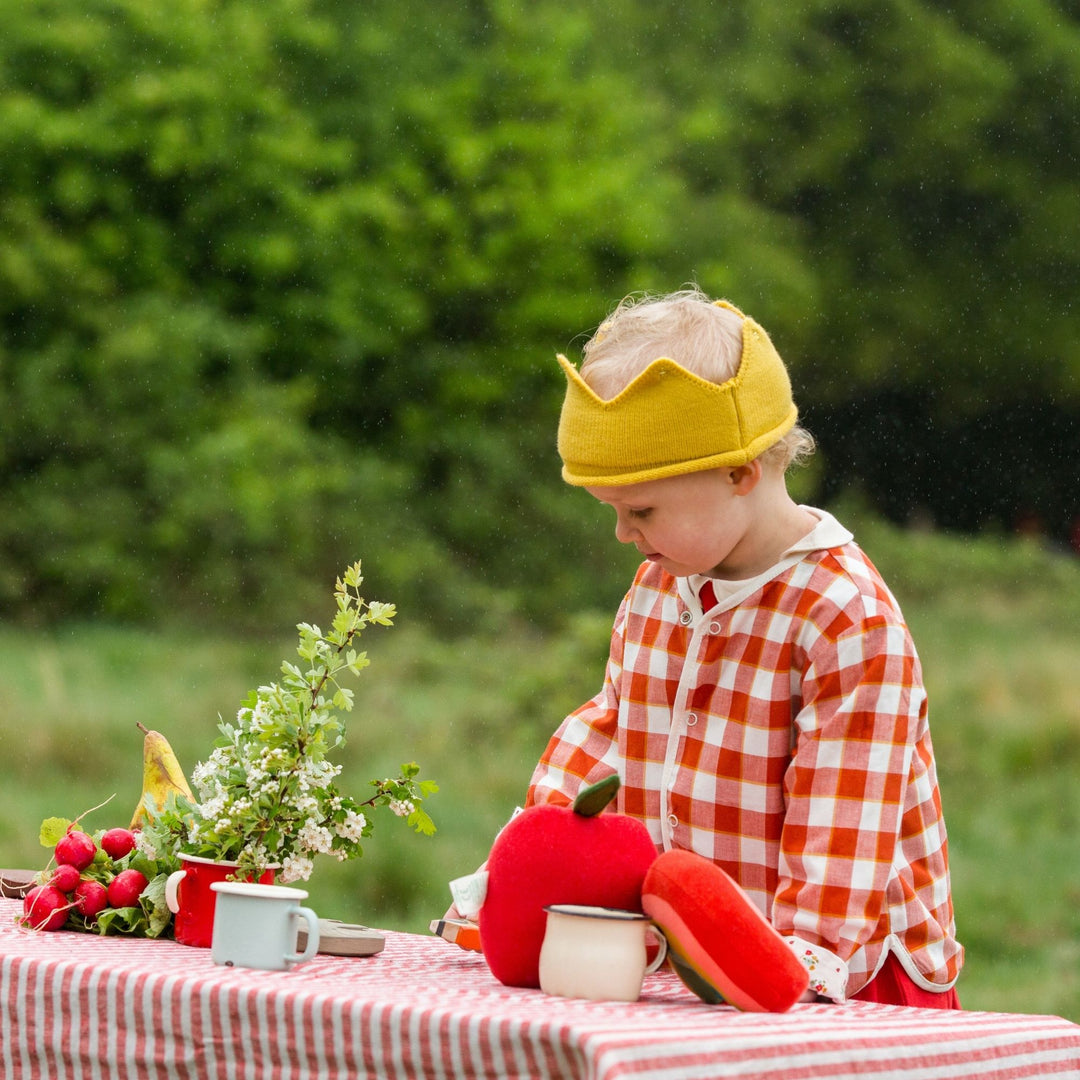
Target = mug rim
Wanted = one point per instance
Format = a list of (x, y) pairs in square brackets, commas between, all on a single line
[(255, 888), (591, 911), (207, 861)]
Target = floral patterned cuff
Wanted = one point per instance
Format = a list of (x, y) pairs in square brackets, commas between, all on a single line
[(828, 973)]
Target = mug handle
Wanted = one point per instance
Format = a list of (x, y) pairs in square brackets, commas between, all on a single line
[(172, 883), (312, 946), (661, 954)]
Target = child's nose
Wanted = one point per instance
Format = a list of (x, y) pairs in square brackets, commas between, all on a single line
[(625, 532)]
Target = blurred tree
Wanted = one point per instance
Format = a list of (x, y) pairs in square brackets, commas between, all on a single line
[(281, 281), (150, 173), (248, 244), (920, 159)]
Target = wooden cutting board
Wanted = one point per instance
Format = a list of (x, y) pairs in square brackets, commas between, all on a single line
[(16, 883), (343, 939)]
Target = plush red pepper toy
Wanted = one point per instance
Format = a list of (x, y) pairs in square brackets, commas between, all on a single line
[(558, 855), (719, 943)]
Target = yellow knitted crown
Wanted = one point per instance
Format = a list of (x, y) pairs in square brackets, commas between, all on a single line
[(668, 421)]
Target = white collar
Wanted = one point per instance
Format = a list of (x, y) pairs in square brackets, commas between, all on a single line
[(827, 533)]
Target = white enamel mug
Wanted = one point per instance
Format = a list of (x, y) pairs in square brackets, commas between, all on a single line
[(256, 926), (597, 953)]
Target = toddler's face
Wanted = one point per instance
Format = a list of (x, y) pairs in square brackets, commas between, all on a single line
[(692, 524)]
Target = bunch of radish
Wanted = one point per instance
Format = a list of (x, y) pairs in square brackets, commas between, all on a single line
[(83, 884)]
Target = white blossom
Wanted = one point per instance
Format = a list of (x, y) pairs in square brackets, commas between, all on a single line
[(202, 772), (212, 809), (143, 845), (296, 868), (205, 776), (315, 837), (261, 717), (352, 828)]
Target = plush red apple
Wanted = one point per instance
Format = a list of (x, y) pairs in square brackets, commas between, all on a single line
[(558, 855)]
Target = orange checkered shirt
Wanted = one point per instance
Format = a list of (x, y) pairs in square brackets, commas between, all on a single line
[(783, 734)]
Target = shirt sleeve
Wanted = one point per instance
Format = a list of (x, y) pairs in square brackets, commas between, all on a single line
[(585, 748), (828, 973), (862, 710)]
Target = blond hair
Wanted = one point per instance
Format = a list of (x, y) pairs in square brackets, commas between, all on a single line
[(684, 326)]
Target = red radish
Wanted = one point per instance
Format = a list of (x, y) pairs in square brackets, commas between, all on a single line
[(76, 849), (124, 889), (45, 907), (65, 877), (117, 843), (91, 898)]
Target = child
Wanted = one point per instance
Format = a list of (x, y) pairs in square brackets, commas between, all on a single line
[(763, 701)]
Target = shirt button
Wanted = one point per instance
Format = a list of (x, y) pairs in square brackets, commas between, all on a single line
[(714, 628), (686, 618), (691, 719), (672, 820)]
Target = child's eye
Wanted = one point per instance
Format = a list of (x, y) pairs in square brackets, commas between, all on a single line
[(641, 514)]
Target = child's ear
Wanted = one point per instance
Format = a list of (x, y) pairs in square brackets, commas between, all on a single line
[(744, 478)]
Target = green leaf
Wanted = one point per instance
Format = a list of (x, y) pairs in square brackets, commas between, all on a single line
[(52, 831), (152, 900), (383, 614), (125, 920), (136, 861), (591, 800), (421, 822)]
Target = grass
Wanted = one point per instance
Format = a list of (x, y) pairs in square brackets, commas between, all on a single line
[(997, 622)]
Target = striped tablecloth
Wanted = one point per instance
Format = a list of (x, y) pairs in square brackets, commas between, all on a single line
[(77, 1005)]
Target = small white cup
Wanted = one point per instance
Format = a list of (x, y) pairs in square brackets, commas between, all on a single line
[(596, 952), (256, 926)]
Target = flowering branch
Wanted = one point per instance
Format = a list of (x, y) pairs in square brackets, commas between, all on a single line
[(267, 795)]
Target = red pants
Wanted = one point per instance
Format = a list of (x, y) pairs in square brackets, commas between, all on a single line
[(893, 986)]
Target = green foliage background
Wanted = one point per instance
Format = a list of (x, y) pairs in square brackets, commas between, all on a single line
[(282, 281), (281, 284)]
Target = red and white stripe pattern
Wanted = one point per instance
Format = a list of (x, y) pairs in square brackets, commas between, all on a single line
[(76, 1006)]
